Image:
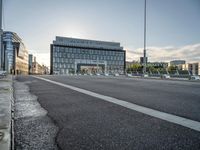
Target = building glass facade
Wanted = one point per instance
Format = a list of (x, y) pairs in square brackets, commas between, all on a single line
[(30, 63), (14, 55), (177, 62), (69, 55)]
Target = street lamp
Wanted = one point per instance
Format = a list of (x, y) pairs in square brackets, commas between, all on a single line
[(144, 58), (1, 34)]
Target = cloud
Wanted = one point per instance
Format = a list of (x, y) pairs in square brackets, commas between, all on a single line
[(190, 53)]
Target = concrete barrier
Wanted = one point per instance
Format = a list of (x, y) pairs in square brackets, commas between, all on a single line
[(6, 101)]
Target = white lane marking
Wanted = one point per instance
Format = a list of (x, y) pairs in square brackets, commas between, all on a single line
[(195, 125)]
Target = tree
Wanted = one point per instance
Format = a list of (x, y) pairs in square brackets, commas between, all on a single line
[(134, 67), (172, 68)]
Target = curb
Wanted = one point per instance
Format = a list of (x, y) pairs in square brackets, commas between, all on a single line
[(6, 111), (12, 116)]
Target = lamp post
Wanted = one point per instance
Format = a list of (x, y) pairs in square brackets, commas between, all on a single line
[(97, 64), (144, 58), (1, 33)]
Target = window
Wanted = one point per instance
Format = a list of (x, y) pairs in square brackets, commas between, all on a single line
[(62, 49), (68, 55), (70, 50)]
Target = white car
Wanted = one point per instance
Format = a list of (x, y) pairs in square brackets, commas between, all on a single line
[(3, 73), (129, 75), (145, 75), (98, 74), (165, 76), (116, 74), (90, 74), (106, 74), (194, 78), (56, 73)]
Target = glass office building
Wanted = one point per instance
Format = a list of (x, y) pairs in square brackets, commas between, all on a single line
[(70, 55), (14, 55), (30, 63)]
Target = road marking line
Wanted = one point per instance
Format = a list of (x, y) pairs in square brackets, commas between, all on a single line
[(195, 125)]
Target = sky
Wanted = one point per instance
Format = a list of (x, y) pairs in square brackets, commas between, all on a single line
[(173, 26)]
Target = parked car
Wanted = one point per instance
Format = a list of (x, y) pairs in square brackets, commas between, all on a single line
[(56, 72), (106, 74), (98, 74), (129, 75), (195, 77), (145, 75), (165, 76), (3, 73), (116, 74)]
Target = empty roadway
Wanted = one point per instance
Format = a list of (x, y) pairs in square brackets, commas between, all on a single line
[(181, 98), (86, 122)]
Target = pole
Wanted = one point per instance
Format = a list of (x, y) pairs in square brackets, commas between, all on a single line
[(144, 58), (1, 33), (97, 64)]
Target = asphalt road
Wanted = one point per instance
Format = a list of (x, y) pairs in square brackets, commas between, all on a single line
[(33, 129), (85, 122)]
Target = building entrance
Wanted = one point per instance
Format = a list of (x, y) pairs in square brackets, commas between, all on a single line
[(90, 68)]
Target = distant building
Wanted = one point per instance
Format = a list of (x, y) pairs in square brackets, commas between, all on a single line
[(30, 63), (154, 64), (14, 55), (70, 55), (45, 69), (35, 67), (177, 62), (158, 64), (193, 68), (142, 60)]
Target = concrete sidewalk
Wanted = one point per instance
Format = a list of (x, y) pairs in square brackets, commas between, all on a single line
[(6, 101)]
